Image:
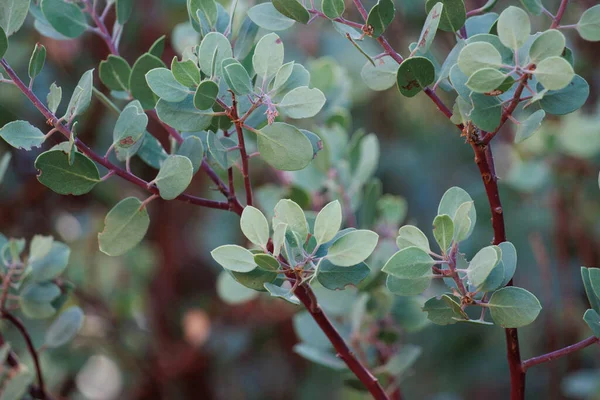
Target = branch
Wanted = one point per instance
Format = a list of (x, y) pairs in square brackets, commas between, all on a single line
[(16, 322), (101, 160), (240, 134), (559, 14), (559, 353), (309, 300)]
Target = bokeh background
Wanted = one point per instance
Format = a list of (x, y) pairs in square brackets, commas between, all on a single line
[(155, 326)]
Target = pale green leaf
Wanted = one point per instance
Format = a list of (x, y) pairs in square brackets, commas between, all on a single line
[(443, 231), (234, 258), (482, 265), (64, 328), (514, 27), (165, 86), (302, 102), (409, 236), (352, 248), (478, 55), (328, 222), (268, 55), (174, 176), (124, 227), (255, 226), (531, 125), (554, 73), (284, 147), (266, 16), (290, 213), (513, 307), (22, 135)]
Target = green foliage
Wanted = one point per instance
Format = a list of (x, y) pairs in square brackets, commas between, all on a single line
[(57, 173), (124, 227), (380, 17), (13, 15), (22, 135), (589, 24), (513, 307), (66, 18), (36, 63)]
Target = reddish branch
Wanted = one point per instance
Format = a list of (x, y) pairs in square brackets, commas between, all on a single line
[(16, 322), (235, 118), (559, 353), (230, 205)]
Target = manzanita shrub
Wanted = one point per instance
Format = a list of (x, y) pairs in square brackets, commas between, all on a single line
[(337, 246)]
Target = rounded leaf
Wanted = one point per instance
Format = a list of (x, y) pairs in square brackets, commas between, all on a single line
[(554, 73), (284, 147), (302, 102), (353, 248), (255, 226), (328, 222), (64, 328), (414, 74), (478, 55), (124, 227), (63, 178), (513, 307), (550, 43), (234, 258), (589, 24), (514, 27), (174, 176)]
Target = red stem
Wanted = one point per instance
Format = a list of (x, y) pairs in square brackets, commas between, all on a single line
[(101, 160), (559, 353), (240, 134), (308, 298), (559, 14), (34, 355)]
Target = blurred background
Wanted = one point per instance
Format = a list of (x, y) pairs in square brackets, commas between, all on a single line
[(155, 326)]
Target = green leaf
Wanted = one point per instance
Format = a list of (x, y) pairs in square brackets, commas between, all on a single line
[(115, 73), (409, 263), (554, 73), (454, 14), (292, 9), (444, 310), (17, 386), (63, 178), (129, 130), (485, 80), (414, 74), (158, 47), (231, 291), (302, 102), (409, 236), (533, 6), (482, 265), (451, 202), (284, 147), (592, 318), (234, 258), (530, 126), (256, 278), (266, 262), (566, 100), (3, 43), (334, 277), (206, 95), (215, 48), (184, 116), (82, 95), (588, 25), (319, 356), (255, 226), (289, 213), (186, 72), (333, 8), (380, 17), (13, 15), (328, 222), (589, 289), (281, 292), (174, 176), (208, 8), (238, 79), (137, 82), (266, 16), (509, 260), (164, 85), (152, 152), (123, 9), (352, 248), (408, 286), (50, 265), (443, 231), (550, 43), (36, 299), (244, 43), (37, 60), (486, 113), (124, 227), (64, 328), (268, 56), (513, 307), (595, 280), (514, 27), (478, 55), (399, 363), (192, 148), (67, 18), (22, 135), (278, 236), (382, 75), (429, 29)]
